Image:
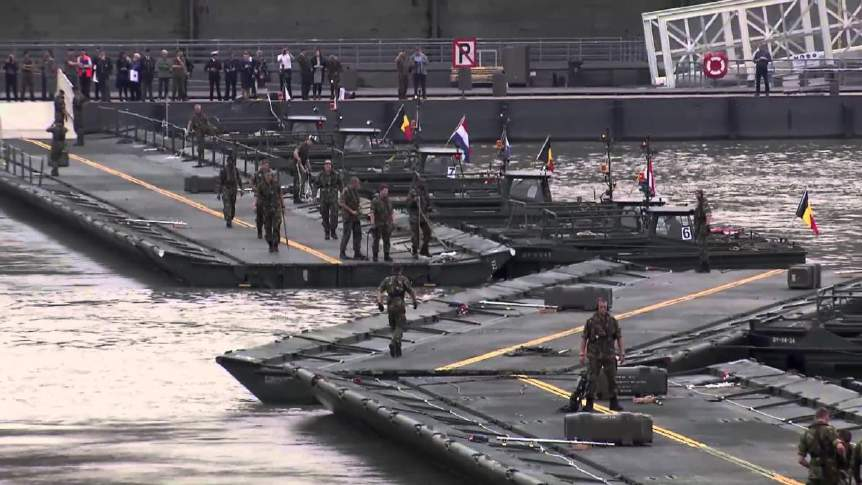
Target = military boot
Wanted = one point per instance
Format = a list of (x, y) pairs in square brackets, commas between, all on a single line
[(424, 251), (615, 404), (387, 258), (333, 235), (392, 349), (588, 407), (398, 349), (326, 236)]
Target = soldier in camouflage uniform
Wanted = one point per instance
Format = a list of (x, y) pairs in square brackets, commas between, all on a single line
[(258, 206), (845, 460), (78, 102), (199, 126), (382, 222), (269, 196), (60, 113), (351, 214), (701, 230), (419, 205), (820, 441), (329, 184), (230, 183), (394, 288), (58, 146), (600, 334)]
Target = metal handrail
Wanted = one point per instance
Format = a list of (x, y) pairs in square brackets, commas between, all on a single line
[(741, 72), (20, 163)]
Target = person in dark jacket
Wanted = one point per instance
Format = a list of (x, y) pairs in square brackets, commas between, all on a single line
[(305, 73), (333, 69), (247, 75), (123, 66), (231, 71), (762, 58), (213, 68), (48, 69), (318, 66), (10, 68), (190, 68), (28, 72), (148, 73), (261, 71), (104, 69)]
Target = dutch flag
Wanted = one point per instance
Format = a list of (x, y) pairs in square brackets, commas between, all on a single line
[(461, 139)]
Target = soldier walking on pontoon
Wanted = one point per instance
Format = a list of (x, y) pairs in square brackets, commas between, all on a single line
[(394, 287), (230, 183), (351, 215), (78, 102), (269, 193), (820, 442), (199, 126), (329, 184), (600, 334), (58, 146), (258, 205), (419, 205), (381, 222)]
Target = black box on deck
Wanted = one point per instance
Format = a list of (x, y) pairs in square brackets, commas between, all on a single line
[(619, 428), (582, 297), (197, 184), (637, 380), (804, 276)]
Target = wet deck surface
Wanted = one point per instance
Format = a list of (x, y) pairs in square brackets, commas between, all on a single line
[(703, 433)]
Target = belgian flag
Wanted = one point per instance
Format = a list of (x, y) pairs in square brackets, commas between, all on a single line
[(806, 213), (407, 128), (546, 155)]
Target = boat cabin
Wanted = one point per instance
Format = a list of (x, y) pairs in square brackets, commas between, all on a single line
[(527, 186), (305, 124), (363, 139), (671, 222), (438, 161)]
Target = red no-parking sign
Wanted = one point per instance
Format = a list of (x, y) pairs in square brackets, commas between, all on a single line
[(464, 53)]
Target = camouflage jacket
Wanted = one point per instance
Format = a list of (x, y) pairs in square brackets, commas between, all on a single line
[(600, 332), (199, 124), (819, 441), (229, 178), (418, 201), (350, 198), (701, 220), (269, 195), (329, 185), (396, 287), (382, 210)]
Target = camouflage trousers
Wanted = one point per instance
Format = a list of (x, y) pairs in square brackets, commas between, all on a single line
[(598, 366)]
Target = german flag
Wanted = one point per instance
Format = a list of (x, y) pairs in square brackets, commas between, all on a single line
[(546, 155), (407, 128), (806, 213)]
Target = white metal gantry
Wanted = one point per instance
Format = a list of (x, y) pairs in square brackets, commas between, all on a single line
[(676, 39)]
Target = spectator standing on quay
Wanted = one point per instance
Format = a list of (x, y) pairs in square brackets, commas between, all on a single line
[(148, 73), (135, 78), (285, 71), (247, 75), (10, 68), (261, 72), (213, 68), (420, 73), (333, 69), (305, 73), (402, 67), (762, 58), (49, 76), (102, 77), (123, 66), (163, 66), (318, 64), (70, 68), (190, 68), (85, 72), (178, 75), (28, 71), (231, 71)]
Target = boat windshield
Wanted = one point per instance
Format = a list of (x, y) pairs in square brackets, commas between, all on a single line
[(303, 128), (357, 143), (674, 227), (527, 190), (438, 165)]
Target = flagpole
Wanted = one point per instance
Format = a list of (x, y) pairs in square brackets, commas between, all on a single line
[(394, 120)]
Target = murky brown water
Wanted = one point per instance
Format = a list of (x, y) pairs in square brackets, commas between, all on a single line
[(108, 371)]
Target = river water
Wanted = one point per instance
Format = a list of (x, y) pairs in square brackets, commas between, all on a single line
[(108, 371)]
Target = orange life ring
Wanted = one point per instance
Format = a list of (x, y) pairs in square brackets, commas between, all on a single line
[(715, 65)]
